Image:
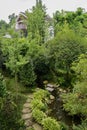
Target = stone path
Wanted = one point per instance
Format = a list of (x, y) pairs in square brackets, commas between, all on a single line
[(27, 115)]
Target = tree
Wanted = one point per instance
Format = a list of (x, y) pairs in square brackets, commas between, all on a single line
[(76, 101), (3, 27), (80, 67), (15, 59), (27, 75), (76, 20), (38, 57), (12, 19), (62, 51), (36, 21)]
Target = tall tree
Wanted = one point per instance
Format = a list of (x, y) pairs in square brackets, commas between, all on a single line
[(75, 19), (15, 58), (63, 50), (3, 27), (12, 18), (36, 21)]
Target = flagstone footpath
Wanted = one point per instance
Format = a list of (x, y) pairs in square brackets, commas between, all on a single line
[(27, 115)]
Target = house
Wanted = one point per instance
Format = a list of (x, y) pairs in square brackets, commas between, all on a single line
[(21, 24)]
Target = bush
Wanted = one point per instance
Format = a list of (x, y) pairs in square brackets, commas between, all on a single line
[(38, 104), (38, 115), (41, 94), (63, 126), (10, 113), (40, 100), (50, 124), (82, 126), (27, 75), (2, 86)]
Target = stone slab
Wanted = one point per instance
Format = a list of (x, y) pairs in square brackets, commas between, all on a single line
[(50, 89), (28, 123), (26, 105), (28, 100), (27, 116), (37, 127), (26, 110)]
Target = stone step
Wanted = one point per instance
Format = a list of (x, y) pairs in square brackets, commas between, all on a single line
[(28, 100), (27, 116), (29, 128), (26, 110), (30, 96), (37, 127), (28, 123), (50, 89), (27, 105)]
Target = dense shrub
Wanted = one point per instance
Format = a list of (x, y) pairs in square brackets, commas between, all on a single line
[(63, 50), (27, 75), (82, 126), (38, 104), (40, 100), (41, 94), (2, 86), (75, 102), (50, 124), (10, 113), (38, 115), (63, 126)]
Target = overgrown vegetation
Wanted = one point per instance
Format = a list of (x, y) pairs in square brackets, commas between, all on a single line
[(59, 56), (39, 114)]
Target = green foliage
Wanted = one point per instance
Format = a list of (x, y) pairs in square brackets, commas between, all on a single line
[(41, 94), (63, 126), (2, 86), (71, 103), (38, 115), (82, 126), (10, 112), (2, 58), (76, 101), (50, 124), (37, 55), (12, 19), (40, 100), (29, 60), (80, 67), (36, 22), (27, 75), (75, 19), (3, 27), (38, 104), (62, 51), (15, 58)]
